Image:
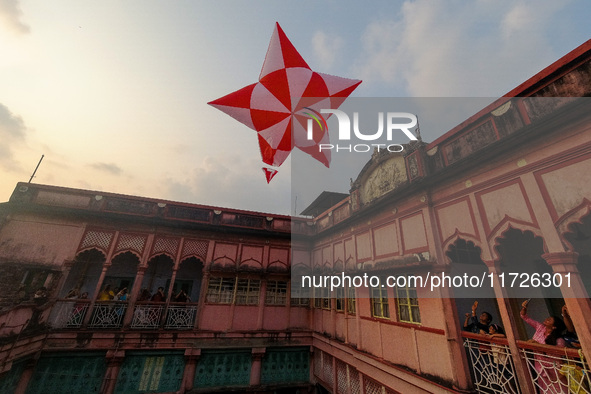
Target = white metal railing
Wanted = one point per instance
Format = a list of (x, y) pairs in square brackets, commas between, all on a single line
[(180, 316), (556, 370), (68, 313), (492, 366), (147, 316), (108, 314)]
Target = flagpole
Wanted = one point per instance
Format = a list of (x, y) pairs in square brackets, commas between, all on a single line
[(38, 164)]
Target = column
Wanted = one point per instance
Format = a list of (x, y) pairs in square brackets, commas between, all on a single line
[(169, 296), (26, 376), (202, 296), (255, 369), (510, 325), (94, 296), (134, 295), (574, 293), (261, 310), (114, 361), (191, 359), (455, 342)]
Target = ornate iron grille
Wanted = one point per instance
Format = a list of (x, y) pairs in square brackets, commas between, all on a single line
[(147, 316), (492, 367), (108, 314), (180, 317), (552, 373)]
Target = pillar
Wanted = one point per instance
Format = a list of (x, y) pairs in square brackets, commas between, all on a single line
[(134, 295), (114, 360), (510, 325), (574, 293), (26, 376), (191, 359), (255, 369)]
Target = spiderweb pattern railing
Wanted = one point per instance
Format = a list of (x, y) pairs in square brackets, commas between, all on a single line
[(492, 367), (108, 314), (556, 370), (180, 316), (147, 316)]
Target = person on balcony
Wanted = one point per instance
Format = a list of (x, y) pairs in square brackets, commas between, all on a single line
[(496, 331), (121, 295), (181, 297), (145, 295), (73, 294), (549, 332), (477, 325), (570, 335), (159, 295), (106, 294)]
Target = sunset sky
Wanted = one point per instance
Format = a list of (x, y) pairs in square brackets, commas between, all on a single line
[(114, 93)]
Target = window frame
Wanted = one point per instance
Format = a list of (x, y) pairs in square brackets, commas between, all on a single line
[(379, 298), (274, 293), (248, 292), (220, 289), (405, 303), (351, 301)]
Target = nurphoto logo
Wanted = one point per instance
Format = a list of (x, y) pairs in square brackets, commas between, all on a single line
[(394, 122)]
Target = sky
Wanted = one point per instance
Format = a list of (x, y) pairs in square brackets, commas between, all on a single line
[(114, 93)]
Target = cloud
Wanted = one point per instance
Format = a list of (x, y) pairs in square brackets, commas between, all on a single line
[(457, 48), (326, 48), (12, 135), (10, 16), (234, 182), (109, 168)]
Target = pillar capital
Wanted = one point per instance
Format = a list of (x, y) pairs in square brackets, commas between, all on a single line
[(192, 355), (258, 353), (562, 262), (493, 265)]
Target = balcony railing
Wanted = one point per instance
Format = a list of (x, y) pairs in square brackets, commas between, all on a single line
[(68, 313), (180, 316), (147, 315), (556, 370), (551, 369), (108, 314), (492, 366)]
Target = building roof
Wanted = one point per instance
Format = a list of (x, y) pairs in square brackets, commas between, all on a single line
[(323, 202)]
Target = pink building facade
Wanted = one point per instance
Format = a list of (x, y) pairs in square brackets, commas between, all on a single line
[(508, 186)]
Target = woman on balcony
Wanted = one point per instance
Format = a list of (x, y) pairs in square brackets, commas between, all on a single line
[(547, 333)]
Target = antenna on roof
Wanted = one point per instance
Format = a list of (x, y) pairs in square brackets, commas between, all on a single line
[(33, 174)]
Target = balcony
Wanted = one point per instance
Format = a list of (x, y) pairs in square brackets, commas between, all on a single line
[(550, 369), (71, 314)]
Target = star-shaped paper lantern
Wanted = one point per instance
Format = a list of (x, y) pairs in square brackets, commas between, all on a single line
[(280, 104)]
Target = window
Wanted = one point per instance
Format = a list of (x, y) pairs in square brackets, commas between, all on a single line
[(300, 296), (379, 302), (276, 292), (317, 297), (325, 298), (221, 290), (351, 300), (247, 291), (299, 301), (340, 299), (408, 304)]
